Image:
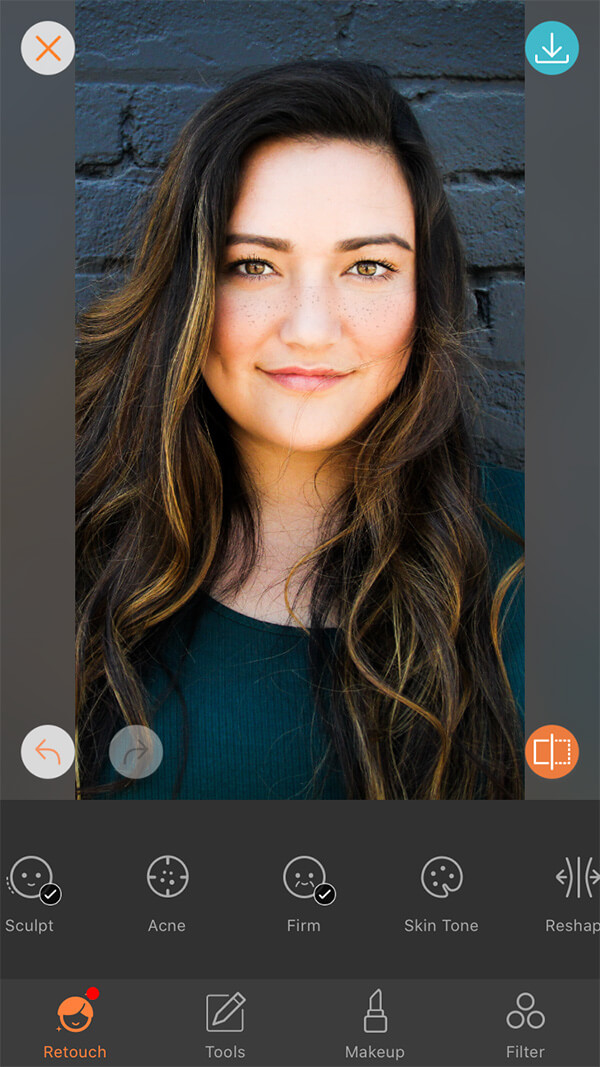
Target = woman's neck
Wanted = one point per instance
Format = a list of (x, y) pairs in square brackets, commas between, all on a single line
[(294, 490)]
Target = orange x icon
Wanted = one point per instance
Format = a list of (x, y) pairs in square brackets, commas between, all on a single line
[(47, 48)]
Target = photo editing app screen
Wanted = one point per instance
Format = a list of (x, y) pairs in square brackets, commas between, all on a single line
[(300, 350)]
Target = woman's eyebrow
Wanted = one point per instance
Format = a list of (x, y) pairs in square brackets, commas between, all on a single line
[(351, 244), (254, 239)]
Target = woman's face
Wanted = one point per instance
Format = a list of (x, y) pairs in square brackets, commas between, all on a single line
[(315, 301)]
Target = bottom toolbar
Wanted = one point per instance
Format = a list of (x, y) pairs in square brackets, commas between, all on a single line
[(304, 1023)]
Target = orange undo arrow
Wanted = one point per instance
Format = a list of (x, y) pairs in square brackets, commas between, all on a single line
[(40, 750)]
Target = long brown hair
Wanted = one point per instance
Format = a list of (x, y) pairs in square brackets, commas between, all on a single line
[(413, 690)]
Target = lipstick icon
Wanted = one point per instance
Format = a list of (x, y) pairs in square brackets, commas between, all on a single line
[(375, 1021)]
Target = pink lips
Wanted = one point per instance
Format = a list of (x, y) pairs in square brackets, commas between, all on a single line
[(306, 379)]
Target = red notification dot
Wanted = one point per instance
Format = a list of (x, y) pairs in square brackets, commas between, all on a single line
[(92, 993)]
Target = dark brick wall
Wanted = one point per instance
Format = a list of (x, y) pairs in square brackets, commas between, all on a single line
[(144, 67)]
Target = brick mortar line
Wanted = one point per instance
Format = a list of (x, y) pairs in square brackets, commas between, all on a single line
[(470, 180), (181, 76)]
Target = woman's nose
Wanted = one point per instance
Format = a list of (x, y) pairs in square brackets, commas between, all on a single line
[(313, 319)]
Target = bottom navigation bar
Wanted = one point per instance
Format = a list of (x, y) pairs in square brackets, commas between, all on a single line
[(304, 1023)]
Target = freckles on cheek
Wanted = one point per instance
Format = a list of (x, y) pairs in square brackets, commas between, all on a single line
[(384, 324), (241, 319)]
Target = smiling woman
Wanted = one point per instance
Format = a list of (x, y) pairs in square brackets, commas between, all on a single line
[(288, 564), (333, 314), (309, 342)]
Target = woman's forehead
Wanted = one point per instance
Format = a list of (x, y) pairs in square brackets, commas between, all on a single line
[(325, 190)]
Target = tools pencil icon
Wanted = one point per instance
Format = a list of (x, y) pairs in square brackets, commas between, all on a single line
[(225, 1013)]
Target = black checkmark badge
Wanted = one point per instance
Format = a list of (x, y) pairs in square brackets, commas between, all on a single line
[(50, 893), (325, 894)]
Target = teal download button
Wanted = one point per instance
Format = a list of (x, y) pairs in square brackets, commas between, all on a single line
[(552, 47)]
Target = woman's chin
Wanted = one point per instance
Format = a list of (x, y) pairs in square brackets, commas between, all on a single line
[(305, 441)]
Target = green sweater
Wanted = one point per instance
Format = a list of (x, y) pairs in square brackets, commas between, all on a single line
[(250, 730)]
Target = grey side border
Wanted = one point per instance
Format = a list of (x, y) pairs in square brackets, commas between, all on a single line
[(562, 475), (37, 338)]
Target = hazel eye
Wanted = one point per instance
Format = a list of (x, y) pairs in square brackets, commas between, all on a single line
[(256, 268), (368, 269), (252, 268), (371, 268)]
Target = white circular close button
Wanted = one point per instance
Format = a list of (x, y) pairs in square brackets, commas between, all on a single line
[(48, 47)]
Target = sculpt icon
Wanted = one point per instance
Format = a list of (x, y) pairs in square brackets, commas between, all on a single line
[(441, 876), (28, 875)]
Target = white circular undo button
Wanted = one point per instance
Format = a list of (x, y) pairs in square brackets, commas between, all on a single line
[(47, 751)]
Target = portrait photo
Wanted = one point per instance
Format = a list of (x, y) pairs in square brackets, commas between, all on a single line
[(300, 400)]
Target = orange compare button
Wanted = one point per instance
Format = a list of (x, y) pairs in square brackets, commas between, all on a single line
[(552, 751)]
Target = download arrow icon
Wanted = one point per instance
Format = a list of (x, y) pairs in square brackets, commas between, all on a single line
[(551, 47), (552, 51)]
